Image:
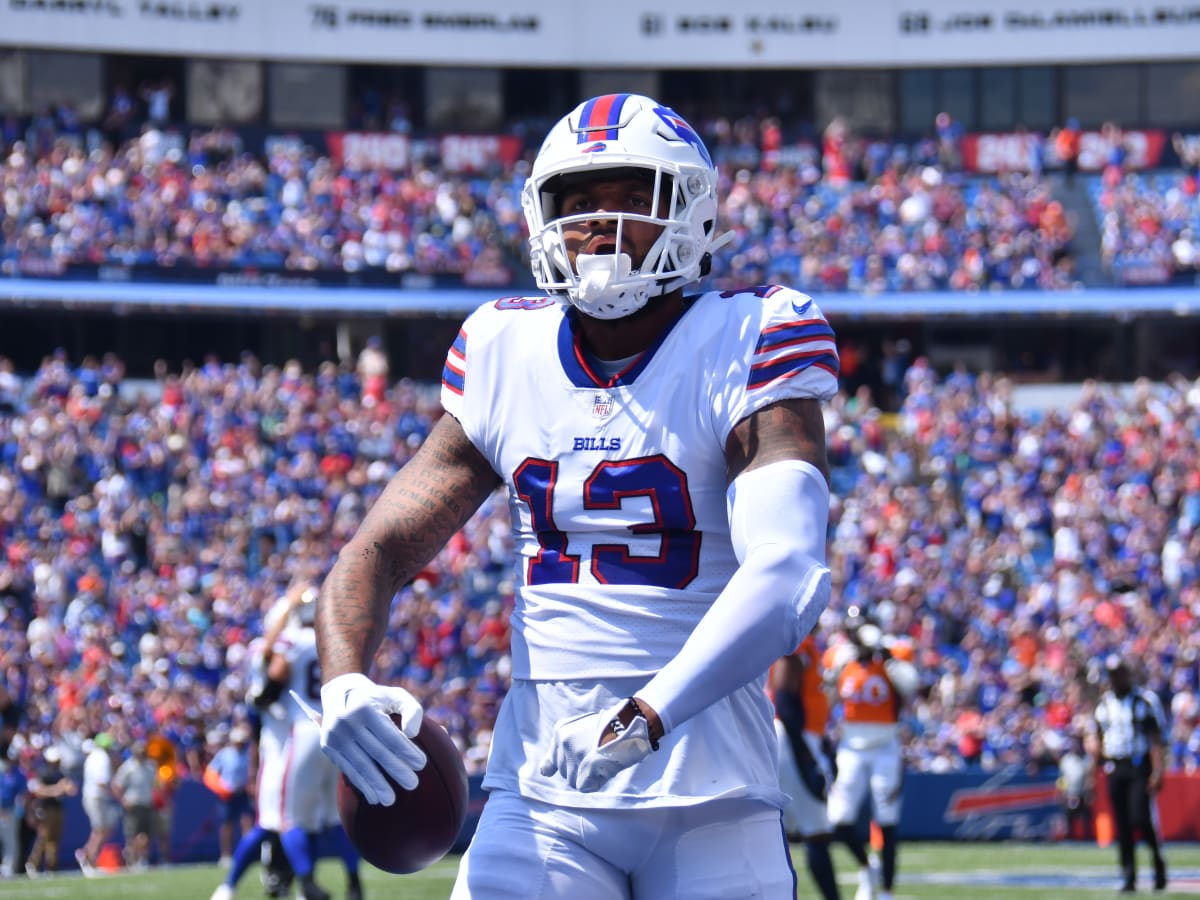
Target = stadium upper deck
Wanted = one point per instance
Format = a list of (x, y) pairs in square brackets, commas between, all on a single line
[(390, 89)]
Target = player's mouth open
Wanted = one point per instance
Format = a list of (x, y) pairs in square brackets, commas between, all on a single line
[(601, 246)]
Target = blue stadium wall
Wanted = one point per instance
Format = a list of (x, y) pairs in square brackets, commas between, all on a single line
[(976, 806)]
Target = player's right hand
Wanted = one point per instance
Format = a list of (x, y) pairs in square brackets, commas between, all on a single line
[(358, 734)]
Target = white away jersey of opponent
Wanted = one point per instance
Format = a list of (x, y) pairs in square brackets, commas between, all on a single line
[(617, 485)]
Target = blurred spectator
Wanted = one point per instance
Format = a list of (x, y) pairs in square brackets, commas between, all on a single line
[(157, 94), (1076, 789), (1066, 141), (835, 149), (120, 121), (949, 142), (99, 803), (13, 791), (168, 771), (133, 785), (1187, 148), (46, 791), (373, 369), (10, 132), (11, 709), (1118, 154), (228, 775)]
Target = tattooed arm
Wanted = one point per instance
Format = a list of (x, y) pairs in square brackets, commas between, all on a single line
[(422, 507), (790, 429)]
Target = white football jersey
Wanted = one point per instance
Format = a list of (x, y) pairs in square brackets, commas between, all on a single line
[(617, 491), (617, 485)]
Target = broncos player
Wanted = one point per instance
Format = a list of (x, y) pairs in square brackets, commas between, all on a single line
[(796, 686), (872, 686), (663, 459)]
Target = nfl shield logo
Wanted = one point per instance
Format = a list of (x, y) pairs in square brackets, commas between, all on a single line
[(602, 406)]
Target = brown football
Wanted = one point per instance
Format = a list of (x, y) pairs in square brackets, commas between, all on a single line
[(424, 823)]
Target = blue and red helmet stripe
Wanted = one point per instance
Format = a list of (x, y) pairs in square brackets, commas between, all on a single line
[(600, 117)]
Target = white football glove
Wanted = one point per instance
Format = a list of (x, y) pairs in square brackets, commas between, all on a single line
[(577, 755), (358, 734)]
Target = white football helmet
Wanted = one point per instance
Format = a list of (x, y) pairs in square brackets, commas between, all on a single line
[(623, 131)]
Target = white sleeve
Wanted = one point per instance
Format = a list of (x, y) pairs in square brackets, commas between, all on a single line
[(778, 518)]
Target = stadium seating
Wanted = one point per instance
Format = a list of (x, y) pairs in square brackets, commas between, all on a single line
[(147, 529), (906, 225)]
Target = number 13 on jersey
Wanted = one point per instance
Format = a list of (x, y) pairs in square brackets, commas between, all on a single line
[(610, 484)]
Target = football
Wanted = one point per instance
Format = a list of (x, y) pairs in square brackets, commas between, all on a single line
[(423, 824)]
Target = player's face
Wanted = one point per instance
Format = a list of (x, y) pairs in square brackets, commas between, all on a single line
[(597, 234)]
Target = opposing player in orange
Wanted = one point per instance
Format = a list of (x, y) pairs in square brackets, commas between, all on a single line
[(872, 686), (796, 687)]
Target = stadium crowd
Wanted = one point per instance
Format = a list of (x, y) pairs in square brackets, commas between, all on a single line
[(1018, 549), (147, 529), (1150, 224), (848, 214)]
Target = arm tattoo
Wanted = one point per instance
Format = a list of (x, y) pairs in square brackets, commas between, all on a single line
[(789, 429), (423, 506)]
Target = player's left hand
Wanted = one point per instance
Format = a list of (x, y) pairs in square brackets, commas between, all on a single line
[(577, 753)]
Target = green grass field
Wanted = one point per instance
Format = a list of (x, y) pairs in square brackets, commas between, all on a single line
[(927, 870)]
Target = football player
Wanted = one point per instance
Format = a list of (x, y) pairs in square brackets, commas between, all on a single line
[(297, 785), (797, 688), (270, 722), (259, 843), (663, 457), (872, 686)]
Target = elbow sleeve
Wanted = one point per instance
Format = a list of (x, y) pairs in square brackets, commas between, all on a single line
[(778, 521)]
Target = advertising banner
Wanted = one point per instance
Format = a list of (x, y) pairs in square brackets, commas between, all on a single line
[(1006, 805), (618, 33), (1016, 152), (362, 151)]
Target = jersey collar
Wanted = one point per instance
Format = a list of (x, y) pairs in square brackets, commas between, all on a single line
[(582, 368)]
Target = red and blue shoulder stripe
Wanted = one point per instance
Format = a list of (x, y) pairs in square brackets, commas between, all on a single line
[(788, 349), (454, 373)]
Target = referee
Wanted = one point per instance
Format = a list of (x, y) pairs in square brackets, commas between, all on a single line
[(1130, 726)]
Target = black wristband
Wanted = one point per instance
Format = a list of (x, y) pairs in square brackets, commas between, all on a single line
[(637, 707)]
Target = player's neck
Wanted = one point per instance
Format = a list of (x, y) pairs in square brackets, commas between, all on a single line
[(629, 335)]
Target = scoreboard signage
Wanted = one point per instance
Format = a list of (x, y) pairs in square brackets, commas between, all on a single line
[(757, 33)]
